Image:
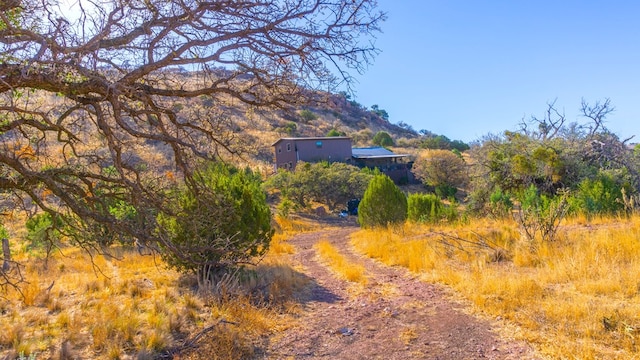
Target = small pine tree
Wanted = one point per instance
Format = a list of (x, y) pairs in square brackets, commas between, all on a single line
[(383, 204)]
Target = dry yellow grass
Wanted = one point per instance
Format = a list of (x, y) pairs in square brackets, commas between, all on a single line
[(294, 225), (578, 297), (355, 273), (135, 305), (280, 246)]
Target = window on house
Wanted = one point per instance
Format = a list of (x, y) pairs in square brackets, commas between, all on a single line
[(318, 144), (290, 165), (279, 149), (288, 147)]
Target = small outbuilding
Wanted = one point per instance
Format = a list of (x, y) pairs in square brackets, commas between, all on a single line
[(396, 166)]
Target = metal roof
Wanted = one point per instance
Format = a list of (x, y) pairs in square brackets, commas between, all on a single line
[(311, 138), (376, 152)]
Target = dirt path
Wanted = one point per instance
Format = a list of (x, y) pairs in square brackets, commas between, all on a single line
[(395, 317)]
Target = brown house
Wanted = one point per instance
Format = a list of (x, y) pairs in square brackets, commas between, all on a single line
[(289, 151)]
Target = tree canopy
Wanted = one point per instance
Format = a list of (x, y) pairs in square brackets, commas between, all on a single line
[(553, 157), (441, 169), (332, 184), (382, 138), (85, 95)]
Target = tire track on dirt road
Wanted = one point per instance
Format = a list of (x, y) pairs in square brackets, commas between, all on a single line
[(396, 317)]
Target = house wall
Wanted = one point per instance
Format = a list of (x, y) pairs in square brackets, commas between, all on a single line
[(289, 151), (310, 150), (285, 154)]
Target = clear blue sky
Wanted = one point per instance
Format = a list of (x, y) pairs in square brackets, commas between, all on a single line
[(468, 68)]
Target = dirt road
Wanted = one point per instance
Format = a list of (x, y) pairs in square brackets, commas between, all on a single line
[(395, 316)]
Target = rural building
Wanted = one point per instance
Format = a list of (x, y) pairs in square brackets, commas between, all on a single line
[(393, 165), (289, 151)]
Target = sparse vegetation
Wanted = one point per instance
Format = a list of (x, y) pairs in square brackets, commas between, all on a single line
[(307, 115), (335, 132), (429, 140), (380, 112)]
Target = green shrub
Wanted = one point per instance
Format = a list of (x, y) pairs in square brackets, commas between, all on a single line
[(307, 115), (601, 195), (382, 138), (289, 128), (383, 204), (424, 208), (220, 221), (285, 207), (539, 215), (445, 190), (500, 204)]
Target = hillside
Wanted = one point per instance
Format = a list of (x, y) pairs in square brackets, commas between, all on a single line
[(262, 127)]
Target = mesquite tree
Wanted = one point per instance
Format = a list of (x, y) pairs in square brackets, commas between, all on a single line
[(87, 92)]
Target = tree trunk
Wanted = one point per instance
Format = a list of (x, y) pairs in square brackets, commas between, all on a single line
[(7, 255)]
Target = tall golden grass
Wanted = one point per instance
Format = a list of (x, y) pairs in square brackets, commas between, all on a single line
[(577, 297), (74, 306)]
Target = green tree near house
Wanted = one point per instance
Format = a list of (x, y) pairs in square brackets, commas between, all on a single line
[(335, 132), (383, 204), (382, 138), (332, 184)]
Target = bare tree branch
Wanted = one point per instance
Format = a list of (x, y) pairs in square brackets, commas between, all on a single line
[(548, 127), (83, 96), (597, 114)]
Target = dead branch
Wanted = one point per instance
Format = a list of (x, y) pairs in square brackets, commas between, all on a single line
[(82, 98), (597, 113)]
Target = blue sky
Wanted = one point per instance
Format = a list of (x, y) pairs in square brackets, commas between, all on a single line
[(465, 69)]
